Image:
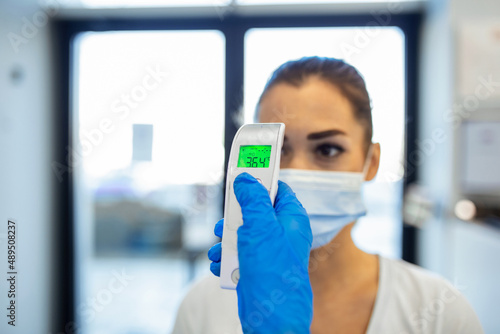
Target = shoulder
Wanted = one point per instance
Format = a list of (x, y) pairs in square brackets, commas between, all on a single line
[(407, 275), (420, 301), (207, 308), (203, 289)]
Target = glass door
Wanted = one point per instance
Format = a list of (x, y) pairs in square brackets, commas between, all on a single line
[(148, 156)]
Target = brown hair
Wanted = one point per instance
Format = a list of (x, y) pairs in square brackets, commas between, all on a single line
[(334, 71)]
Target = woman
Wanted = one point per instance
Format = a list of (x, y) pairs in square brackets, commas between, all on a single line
[(301, 272)]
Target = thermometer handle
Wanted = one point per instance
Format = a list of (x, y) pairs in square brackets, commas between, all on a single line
[(253, 144)]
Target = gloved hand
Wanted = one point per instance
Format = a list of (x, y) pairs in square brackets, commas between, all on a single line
[(274, 292)]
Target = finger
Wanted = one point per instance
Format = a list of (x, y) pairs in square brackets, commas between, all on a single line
[(219, 227), (215, 268), (254, 201), (286, 201), (214, 253)]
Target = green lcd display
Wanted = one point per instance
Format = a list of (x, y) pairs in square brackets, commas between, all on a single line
[(254, 156)]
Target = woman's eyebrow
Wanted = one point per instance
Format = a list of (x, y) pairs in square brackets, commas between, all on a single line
[(323, 134)]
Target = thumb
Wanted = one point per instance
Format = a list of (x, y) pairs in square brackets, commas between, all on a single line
[(255, 203), (292, 216)]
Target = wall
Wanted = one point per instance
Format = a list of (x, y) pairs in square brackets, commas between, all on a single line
[(465, 253), (26, 179)]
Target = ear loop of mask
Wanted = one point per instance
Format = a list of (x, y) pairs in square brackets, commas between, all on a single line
[(367, 161)]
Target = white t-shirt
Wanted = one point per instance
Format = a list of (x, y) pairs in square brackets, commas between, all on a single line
[(409, 300)]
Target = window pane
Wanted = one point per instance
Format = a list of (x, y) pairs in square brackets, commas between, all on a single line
[(149, 125), (289, 2), (149, 3), (378, 54)]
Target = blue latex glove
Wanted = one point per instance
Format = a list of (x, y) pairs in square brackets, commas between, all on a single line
[(274, 292), (214, 253)]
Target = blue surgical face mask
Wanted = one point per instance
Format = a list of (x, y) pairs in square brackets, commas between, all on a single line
[(332, 199)]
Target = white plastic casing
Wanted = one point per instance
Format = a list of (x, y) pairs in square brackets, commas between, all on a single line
[(249, 134)]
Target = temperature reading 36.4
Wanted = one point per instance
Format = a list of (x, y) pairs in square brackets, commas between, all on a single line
[(254, 156)]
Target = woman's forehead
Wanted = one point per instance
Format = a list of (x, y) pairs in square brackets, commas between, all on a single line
[(314, 103)]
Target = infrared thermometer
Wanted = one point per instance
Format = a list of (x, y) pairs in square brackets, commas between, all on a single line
[(256, 150)]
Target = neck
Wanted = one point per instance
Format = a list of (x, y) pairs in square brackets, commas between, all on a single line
[(340, 264)]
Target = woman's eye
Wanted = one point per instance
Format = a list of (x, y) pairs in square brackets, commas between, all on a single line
[(328, 150)]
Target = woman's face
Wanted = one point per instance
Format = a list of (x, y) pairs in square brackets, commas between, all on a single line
[(322, 132)]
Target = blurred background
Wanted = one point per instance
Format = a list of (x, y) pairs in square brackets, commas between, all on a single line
[(117, 116)]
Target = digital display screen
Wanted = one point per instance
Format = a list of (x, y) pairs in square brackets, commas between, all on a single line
[(254, 156)]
